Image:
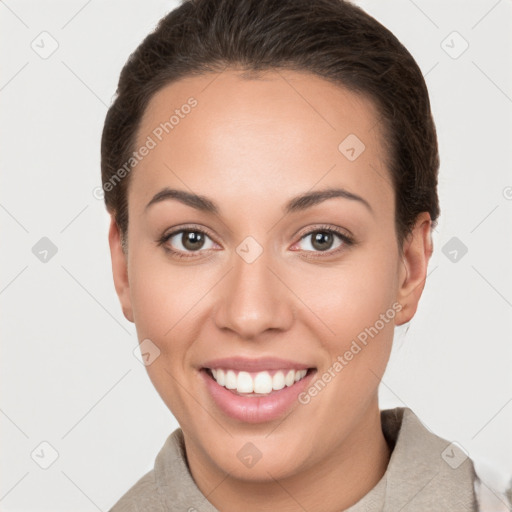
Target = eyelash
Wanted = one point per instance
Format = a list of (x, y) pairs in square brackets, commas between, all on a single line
[(346, 239)]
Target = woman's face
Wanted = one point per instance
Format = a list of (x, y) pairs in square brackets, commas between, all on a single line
[(263, 283)]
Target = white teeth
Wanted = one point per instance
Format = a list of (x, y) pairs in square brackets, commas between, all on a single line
[(278, 381), (290, 378), (230, 380), (244, 383), (261, 383)]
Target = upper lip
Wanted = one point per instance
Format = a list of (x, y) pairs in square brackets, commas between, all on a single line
[(255, 365)]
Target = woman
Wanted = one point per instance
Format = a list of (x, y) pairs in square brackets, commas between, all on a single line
[(270, 167)]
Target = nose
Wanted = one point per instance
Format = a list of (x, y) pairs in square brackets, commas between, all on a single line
[(254, 299)]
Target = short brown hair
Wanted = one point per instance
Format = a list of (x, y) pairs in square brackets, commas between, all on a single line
[(333, 39)]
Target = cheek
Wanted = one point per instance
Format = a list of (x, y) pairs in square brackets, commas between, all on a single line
[(168, 302), (356, 303), (352, 294), (164, 302), (160, 292), (154, 301)]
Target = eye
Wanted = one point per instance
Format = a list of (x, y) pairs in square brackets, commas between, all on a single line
[(324, 239), (191, 241), (183, 242)]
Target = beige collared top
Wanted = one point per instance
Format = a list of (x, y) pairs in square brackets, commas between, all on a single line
[(425, 474)]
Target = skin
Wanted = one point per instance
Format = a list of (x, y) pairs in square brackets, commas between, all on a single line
[(250, 145)]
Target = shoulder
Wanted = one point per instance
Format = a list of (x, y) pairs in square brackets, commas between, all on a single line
[(148, 494), (142, 496), (425, 471), (452, 479)]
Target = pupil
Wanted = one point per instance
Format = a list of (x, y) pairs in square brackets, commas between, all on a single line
[(192, 240), (322, 240)]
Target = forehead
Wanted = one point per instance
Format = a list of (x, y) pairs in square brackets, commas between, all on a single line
[(277, 134)]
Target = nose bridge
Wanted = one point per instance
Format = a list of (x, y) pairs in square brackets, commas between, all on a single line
[(253, 299)]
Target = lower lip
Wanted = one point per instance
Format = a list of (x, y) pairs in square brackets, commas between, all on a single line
[(256, 409)]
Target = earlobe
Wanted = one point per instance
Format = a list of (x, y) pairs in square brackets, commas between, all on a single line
[(417, 250), (120, 269)]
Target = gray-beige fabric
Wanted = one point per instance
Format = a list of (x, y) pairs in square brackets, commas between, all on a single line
[(425, 474)]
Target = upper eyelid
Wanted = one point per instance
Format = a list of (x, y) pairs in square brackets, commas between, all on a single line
[(337, 231)]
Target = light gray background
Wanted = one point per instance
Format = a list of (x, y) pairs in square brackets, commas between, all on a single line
[(68, 373)]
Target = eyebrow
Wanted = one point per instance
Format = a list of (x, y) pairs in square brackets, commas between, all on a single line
[(298, 203)]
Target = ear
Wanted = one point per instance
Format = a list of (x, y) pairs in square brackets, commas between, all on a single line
[(120, 269), (417, 250)]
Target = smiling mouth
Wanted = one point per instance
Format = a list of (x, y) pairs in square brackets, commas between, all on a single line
[(254, 384)]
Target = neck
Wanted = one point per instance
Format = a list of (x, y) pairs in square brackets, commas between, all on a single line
[(333, 484)]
